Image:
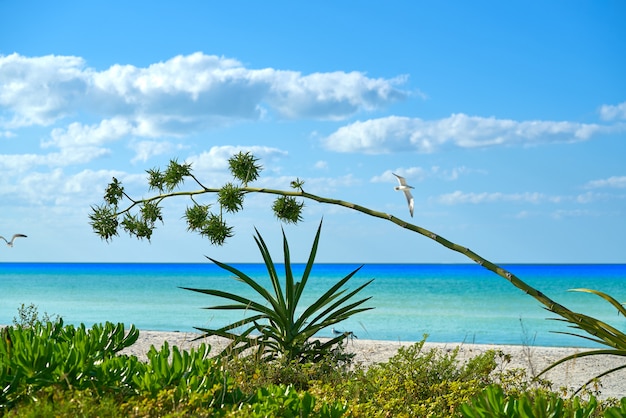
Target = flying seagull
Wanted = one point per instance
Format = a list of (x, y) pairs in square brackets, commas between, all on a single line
[(407, 191), (10, 243)]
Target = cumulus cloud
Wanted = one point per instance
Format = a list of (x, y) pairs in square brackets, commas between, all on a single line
[(612, 182), (182, 93), (216, 158), (411, 174), (613, 112), (416, 174), (60, 188), (145, 150), (397, 134), (459, 197), (39, 90)]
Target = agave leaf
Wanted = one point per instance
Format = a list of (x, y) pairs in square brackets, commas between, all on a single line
[(247, 304), (271, 269), (619, 306), (329, 296), (309, 265), (598, 352), (334, 305)]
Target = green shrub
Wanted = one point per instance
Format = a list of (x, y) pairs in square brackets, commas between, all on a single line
[(493, 402), (28, 316), (414, 382), (52, 354), (250, 373)]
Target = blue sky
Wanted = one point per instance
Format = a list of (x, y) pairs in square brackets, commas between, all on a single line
[(508, 118)]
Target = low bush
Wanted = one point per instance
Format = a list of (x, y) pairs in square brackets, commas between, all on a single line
[(493, 402), (414, 382)]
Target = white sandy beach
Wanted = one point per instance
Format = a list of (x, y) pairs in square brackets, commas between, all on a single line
[(534, 359)]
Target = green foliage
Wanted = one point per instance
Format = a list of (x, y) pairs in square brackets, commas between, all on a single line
[(596, 331), (169, 179), (244, 167), (104, 221), (252, 373), (217, 230), (618, 411), (417, 382), (280, 401), (185, 373), (28, 316), (49, 354), (288, 209), (493, 402), (274, 328), (139, 218), (230, 197)]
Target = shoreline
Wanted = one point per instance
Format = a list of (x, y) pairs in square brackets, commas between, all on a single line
[(533, 359)]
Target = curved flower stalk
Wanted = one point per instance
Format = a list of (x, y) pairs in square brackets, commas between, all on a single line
[(287, 207), (274, 329)]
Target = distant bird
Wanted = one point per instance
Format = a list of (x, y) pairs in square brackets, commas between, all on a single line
[(407, 192), (348, 334), (10, 243)]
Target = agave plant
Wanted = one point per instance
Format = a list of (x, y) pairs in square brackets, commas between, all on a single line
[(598, 332), (274, 329)]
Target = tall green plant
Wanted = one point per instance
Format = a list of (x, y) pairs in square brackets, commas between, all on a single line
[(598, 332), (274, 328), (139, 217)]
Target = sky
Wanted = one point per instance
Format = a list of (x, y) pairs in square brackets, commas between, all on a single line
[(508, 119)]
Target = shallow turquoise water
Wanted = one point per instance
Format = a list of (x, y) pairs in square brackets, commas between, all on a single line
[(454, 303)]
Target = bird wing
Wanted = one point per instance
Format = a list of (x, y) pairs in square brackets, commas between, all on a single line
[(18, 236), (410, 201), (5, 240), (401, 179)]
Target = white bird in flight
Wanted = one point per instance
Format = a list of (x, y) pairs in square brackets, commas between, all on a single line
[(407, 191), (10, 243)]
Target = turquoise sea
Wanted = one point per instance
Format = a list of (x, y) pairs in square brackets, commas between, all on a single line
[(450, 303)]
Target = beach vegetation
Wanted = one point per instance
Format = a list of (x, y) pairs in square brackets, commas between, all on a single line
[(276, 325), (288, 206), (417, 382), (28, 316), (494, 402), (56, 370), (598, 332)]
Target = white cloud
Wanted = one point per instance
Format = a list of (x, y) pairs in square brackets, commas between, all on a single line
[(613, 182), (397, 134), (573, 213), (216, 158), (79, 135), (39, 90), (181, 94), (416, 174), (19, 163), (321, 165), (147, 149), (58, 188), (411, 174), (459, 197), (330, 95), (612, 112)]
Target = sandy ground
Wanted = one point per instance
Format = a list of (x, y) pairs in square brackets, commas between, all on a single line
[(570, 375)]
